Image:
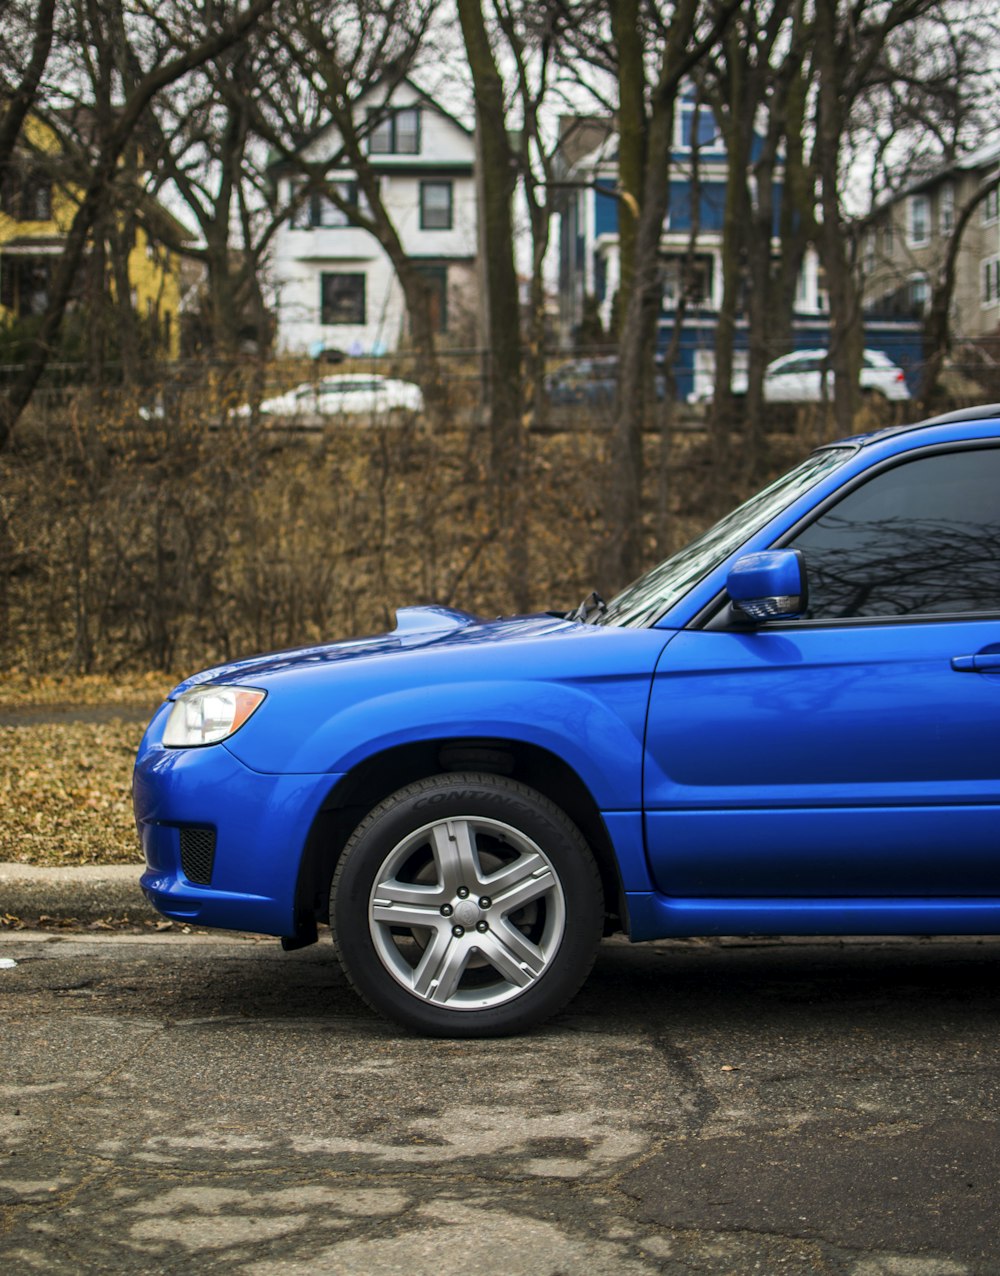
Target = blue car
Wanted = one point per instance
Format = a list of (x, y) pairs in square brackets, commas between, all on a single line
[(791, 726)]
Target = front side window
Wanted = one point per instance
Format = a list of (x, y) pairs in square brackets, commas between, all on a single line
[(435, 205), (342, 299), (991, 206), (644, 601), (920, 539)]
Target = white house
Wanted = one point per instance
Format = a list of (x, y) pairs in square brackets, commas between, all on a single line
[(335, 286)]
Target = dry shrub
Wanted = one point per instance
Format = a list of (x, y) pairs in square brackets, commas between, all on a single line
[(179, 533), (128, 542)]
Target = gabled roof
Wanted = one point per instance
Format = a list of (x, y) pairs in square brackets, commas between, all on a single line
[(983, 157), (421, 94)]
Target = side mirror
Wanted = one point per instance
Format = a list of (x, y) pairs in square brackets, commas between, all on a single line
[(769, 586)]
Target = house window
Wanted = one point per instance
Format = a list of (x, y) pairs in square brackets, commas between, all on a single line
[(868, 256), (822, 291), (991, 281), (888, 239), (342, 299), (991, 206), (946, 209), (919, 295), (318, 210), (24, 284), (690, 279), (435, 205), (918, 231), (397, 133), (697, 128), (26, 193)]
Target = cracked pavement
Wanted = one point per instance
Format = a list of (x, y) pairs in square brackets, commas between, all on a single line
[(178, 1102)]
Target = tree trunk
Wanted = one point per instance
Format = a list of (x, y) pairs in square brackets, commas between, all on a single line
[(496, 176), (627, 33), (937, 323)]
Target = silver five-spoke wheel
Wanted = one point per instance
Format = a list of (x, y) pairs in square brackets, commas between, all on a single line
[(467, 912), (466, 905)]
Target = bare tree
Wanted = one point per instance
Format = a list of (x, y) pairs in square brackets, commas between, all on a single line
[(756, 83), (200, 144), (932, 99), (685, 33), (937, 321), (497, 177), (25, 44), (849, 39), (164, 62)]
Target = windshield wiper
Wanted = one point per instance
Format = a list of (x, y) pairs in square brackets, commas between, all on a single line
[(592, 607)]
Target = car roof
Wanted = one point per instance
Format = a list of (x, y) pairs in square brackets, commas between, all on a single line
[(985, 412), (352, 378)]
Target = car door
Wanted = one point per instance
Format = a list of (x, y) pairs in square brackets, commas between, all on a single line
[(793, 379), (855, 753)]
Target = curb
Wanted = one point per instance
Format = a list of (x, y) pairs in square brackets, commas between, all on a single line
[(87, 894)]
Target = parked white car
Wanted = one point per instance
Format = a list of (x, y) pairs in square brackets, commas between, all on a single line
[(798, 378), (350, 394)]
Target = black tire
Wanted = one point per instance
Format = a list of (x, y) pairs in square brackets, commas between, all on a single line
[(488, 911)]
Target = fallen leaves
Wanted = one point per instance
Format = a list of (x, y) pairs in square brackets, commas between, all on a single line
[(65, 793)]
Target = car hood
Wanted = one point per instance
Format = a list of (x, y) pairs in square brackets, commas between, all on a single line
[(416, 627)]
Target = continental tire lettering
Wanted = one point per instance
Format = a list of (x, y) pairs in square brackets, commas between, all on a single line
[(467, 795)]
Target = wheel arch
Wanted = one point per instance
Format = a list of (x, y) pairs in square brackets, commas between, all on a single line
[(377, 777)]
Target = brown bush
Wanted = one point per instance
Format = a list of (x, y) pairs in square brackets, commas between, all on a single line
[(169, 541)]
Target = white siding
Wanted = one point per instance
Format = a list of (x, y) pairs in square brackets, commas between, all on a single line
[(303, 256)]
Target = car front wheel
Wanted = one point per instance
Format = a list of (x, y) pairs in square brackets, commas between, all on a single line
[(466, 905)]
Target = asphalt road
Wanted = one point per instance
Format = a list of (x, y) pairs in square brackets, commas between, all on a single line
[(185, 1103)]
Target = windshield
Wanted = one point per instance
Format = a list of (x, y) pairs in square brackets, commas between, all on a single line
[(644, 601)]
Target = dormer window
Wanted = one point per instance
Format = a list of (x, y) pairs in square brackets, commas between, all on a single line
[(397, 133)]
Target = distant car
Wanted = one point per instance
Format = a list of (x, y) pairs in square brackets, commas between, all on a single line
[(788, 727), (589, 381), (798, 378), (349, 394)]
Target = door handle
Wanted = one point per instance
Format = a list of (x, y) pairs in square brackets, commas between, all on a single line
[(985, 662)]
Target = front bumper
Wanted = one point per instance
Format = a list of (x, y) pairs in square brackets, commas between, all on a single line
[(260, 825)]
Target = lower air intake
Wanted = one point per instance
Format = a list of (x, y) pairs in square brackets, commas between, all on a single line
[(198, 855)]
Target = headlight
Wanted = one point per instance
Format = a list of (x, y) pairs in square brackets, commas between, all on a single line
[(207, 715)]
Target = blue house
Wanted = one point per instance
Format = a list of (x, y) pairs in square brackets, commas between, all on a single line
[(589, 262)]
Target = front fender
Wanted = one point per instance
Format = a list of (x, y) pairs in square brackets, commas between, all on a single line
[(597, 729)]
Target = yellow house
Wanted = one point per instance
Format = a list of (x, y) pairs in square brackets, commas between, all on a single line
[(36, 210)]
